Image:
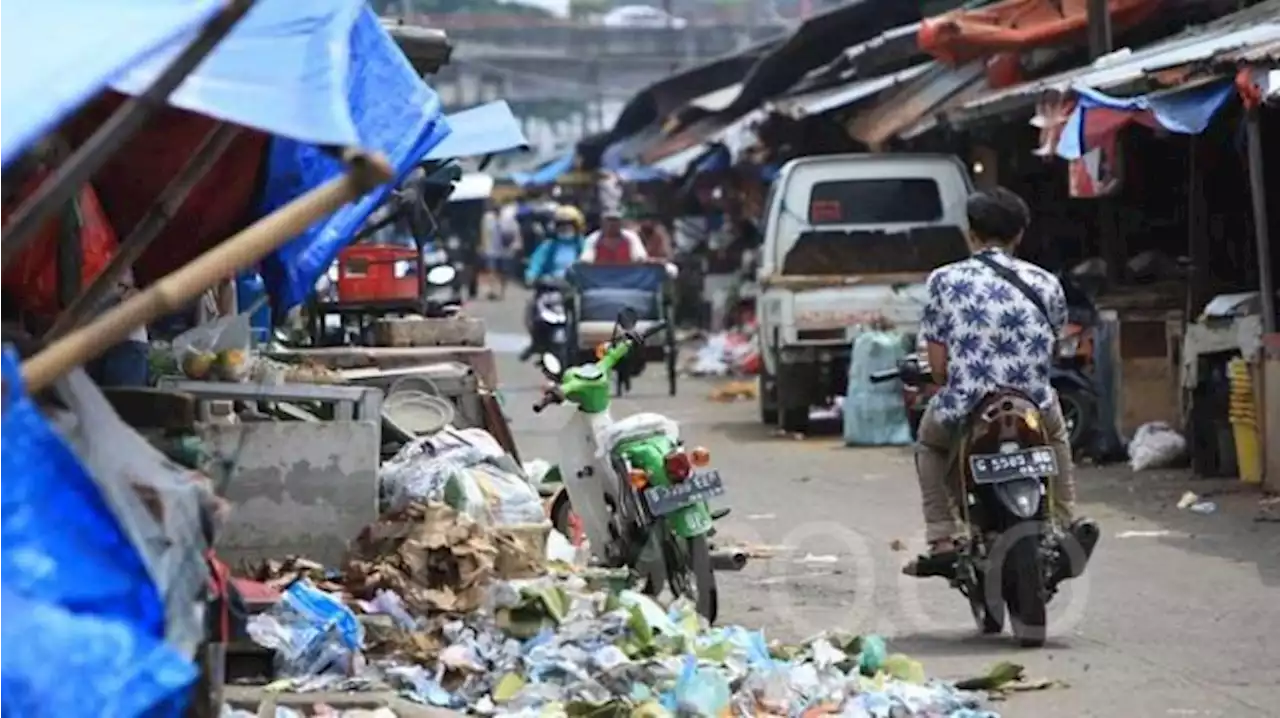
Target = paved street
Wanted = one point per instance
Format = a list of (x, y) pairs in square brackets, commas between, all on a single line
[(1177, 616)]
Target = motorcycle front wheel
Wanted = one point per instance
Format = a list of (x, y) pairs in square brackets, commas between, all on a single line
[(689, 573)]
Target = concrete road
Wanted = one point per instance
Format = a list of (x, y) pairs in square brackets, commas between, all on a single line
[(1179, 614)]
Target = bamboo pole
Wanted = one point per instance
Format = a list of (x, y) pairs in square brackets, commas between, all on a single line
[(158, 215), (119, 127), (177, 289)]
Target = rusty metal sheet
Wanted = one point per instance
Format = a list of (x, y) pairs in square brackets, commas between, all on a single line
[(897, 111)]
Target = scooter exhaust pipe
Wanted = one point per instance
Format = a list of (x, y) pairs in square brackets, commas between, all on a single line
[(729, 559)]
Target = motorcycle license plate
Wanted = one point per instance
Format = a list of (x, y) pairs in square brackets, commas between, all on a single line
[(701, 486), (1031, 463)]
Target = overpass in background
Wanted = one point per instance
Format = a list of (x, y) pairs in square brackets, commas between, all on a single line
[(567, 80)]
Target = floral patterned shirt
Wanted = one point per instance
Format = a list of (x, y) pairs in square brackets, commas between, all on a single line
[(995, 336)]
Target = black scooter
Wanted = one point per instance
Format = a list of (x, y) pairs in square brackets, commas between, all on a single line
[(547, 321)]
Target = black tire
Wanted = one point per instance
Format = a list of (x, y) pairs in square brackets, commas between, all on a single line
[(693, 560), (987, 607), (794, 420), (561, 509), (1024, 591), (1078, 412), (768, 399)]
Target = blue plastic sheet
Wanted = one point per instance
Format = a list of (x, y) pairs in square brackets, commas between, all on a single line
[(483, 130), (874, 414), (282, 69), (547, 173), (117, 670), (78, 601), (1187, 112), (59, 53), (395, 113)]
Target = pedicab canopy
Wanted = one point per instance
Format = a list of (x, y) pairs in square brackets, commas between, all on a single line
[(316, 74)]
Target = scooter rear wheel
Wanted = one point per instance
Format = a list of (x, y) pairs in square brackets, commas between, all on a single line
[(1024, 591), (690, 575)]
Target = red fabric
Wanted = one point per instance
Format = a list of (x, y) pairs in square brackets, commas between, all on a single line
[(217, 207), (35, 270), (613, 251)]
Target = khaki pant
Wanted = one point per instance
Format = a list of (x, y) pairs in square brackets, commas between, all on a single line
[(939, 491)]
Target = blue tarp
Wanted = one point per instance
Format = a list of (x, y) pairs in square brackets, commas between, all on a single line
[(282, 69), (1186, 112), (59, 53), (78, 602), (547, 173), (478, 131), (394, 112)]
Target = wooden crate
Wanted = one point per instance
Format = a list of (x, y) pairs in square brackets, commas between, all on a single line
[(424, 332)]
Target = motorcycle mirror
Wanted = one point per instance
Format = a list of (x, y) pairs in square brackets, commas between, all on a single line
[(442, 274), (627, 319), (551, 366)]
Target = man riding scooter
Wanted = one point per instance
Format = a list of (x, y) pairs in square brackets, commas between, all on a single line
[(990, 324), (547, 266)]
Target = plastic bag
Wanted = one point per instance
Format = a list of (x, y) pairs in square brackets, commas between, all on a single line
[(219, 349), (1156, 445), (636, 426), (312, 633), (157, 503), (874, 414), (118, 670)]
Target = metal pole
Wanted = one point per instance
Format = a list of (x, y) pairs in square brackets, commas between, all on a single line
[(148, 228), (1253, 125), (123, 123), (1099, 28)]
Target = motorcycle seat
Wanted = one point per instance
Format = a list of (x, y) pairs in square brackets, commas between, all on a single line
[(636, 426)]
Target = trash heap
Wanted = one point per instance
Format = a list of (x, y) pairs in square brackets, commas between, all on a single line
[(726, 354), (426, 607)]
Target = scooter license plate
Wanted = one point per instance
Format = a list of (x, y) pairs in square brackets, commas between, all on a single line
[(701, 486), (1031, 463)]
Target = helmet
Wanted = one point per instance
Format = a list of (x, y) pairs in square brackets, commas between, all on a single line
[(567, 213)]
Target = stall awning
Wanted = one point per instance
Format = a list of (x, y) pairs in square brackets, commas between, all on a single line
[(822, 101), (1186, 112), (484, 130), (897, 111), (1167, 62), (678, 163), (472, 186), (546, 173), (59, 53), (717, 100)]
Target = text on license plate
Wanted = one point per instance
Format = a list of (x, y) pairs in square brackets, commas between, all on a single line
[(702, 485), (1035, 462)]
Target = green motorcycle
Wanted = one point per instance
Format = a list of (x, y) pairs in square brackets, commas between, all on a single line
[(639, 493)]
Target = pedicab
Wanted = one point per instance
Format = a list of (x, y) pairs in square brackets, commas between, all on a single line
[(596, 295)]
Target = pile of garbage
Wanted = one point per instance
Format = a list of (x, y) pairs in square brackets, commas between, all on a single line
[(423, 608), (726, 354)]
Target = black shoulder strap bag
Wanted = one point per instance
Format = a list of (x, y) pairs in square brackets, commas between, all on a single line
[(1010, 276)]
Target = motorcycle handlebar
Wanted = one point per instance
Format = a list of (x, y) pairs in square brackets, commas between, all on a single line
[(550, 396)]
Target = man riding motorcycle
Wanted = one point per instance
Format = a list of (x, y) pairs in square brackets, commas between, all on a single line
[(991, 323), (550, 260)]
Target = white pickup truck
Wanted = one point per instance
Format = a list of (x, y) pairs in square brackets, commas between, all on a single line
[(848, 241)]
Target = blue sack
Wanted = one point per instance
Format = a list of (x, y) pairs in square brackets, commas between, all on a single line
[(874, 414)]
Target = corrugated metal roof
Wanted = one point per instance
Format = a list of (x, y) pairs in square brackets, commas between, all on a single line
[(1256, 27), (834, 98), (897, 111)]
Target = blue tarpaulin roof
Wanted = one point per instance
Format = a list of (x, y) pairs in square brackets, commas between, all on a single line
[(478, 131), (394, 112), (282, 69), (1185, 112), (59, 53), (547, 173)]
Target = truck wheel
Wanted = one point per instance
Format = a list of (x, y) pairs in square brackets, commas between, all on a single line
[(794, 420), (768, 399)]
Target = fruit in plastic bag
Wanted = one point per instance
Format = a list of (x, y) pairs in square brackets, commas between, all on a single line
[(198, 365), (233, 364)]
